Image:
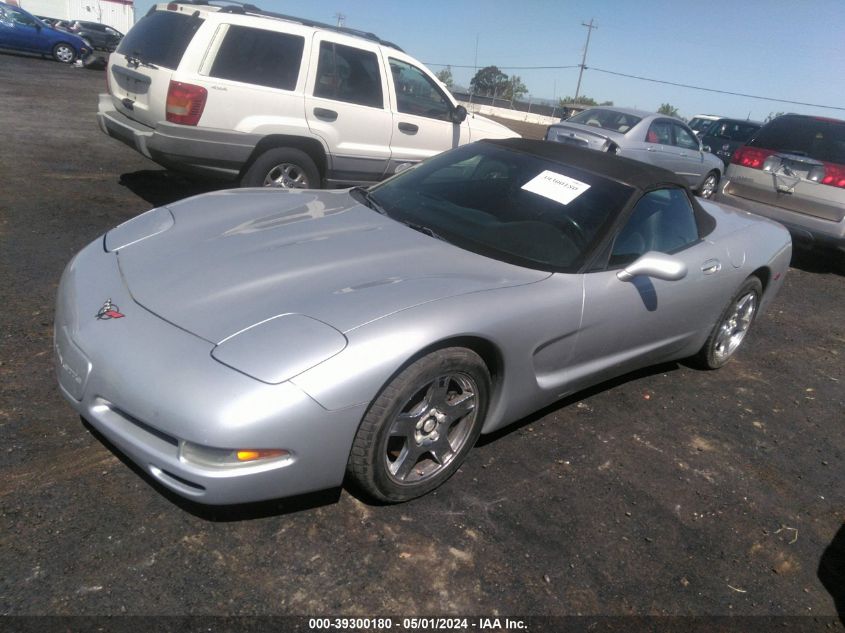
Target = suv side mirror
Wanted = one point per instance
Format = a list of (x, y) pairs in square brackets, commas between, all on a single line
[(459, 114), (654, 264)]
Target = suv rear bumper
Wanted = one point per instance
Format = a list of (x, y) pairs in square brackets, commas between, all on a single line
[(804, 228), (216, 153)]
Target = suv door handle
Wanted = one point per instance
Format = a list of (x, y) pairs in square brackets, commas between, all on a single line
[(409, 128), (327, 115), (711, 266)]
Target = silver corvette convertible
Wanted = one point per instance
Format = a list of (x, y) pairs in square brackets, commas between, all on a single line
[(253, 344)]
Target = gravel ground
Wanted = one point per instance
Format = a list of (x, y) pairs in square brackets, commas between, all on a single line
[(668, 491)]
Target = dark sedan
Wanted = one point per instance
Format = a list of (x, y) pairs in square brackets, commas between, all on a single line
[(724, 136), (102, 36)]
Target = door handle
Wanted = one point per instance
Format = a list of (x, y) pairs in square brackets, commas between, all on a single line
[(650, 149), (409, 128), (711, 266), (326, 115)]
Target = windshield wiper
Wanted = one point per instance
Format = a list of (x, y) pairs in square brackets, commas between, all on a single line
[(135, 58), (362, 195), (424, 229)]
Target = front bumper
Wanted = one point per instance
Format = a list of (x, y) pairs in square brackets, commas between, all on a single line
[(149, 386), (216, 153), (804, 228)]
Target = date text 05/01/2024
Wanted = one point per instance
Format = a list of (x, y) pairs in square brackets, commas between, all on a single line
[(417, 624)]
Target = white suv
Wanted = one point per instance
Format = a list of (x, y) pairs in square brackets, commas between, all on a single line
[(272, 100)]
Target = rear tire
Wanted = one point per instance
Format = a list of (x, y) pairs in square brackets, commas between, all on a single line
[(284, 168), (64, 53), (732, 327), (709, 185)]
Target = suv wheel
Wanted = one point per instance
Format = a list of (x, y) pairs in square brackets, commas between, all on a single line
[(282, 167)]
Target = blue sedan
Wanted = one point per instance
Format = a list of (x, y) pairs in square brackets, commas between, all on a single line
[(22, 31)]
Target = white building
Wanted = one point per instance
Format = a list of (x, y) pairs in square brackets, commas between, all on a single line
[(119, 14)]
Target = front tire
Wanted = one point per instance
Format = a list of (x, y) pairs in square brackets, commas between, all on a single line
[(284, 168), (732, 327), (418, 431), (709, 185), (64, 53)]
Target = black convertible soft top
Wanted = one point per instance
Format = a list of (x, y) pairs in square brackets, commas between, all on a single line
[(630, 172)]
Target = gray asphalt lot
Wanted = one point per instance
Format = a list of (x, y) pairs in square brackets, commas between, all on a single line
[(669, 491)]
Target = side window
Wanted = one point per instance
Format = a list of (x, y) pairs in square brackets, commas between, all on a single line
[(662, 221), (684, 138), (348, 74), (659, 132), (21, 18), (417, 94), (256, 56)]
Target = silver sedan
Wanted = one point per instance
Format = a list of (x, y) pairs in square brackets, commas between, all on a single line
[(252, 344), (651, 138)]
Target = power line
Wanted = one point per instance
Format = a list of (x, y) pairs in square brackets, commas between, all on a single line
[(506, 67), (724, 92), (656, 81)]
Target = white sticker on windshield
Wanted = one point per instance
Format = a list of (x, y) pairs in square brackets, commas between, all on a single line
[(557, 187)]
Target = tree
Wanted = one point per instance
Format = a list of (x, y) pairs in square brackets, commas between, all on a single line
[(773, 115), (489, 82), (582, 100), (515, 88), (445, 76), (668, 109)]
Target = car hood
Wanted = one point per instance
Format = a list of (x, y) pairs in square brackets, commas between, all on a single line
[(233, 259), (482, 127)]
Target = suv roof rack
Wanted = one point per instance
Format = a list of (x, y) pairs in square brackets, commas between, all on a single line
[(244, 8)]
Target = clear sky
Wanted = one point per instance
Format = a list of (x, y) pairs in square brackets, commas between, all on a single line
[(785, 49)]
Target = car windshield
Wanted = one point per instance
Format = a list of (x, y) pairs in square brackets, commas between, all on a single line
[(732, 130), (818, 138), (505, 204), (698, 124), (606, 119)]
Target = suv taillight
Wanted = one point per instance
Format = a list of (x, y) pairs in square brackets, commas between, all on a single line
[(185, 103), (834, 175), (752, 157)]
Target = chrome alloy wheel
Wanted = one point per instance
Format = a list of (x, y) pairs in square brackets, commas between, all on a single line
[(431, 428), (708, 187), (287, 176), (735, 326)]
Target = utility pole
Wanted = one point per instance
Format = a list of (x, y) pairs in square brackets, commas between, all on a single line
[(590, 28), (471, 87), (341, 19)]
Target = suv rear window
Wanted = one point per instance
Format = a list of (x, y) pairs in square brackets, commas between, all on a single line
[(160, 38), (821, 139), (257, 56)]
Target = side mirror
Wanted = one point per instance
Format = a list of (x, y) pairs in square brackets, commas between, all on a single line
[(706, 148), (459, 114), (654, 264)]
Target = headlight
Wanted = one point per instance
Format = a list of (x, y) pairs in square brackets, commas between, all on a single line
[(139, 228), (280, 348)]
